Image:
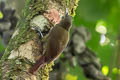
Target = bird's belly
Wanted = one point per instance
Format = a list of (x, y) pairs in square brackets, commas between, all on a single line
[(57, 47)]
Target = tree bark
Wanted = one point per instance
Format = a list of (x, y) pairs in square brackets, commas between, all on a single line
[(25, 46)]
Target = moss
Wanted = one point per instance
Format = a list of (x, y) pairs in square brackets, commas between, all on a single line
[(14, 68), (71, 5), (35, 7), (44, 72), (32, 9), (23, 36)]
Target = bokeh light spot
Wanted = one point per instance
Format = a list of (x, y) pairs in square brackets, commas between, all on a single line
[(101, 28), (105, 70), (1, 15), (119, 71), (70, 77), (104, 40), (115, 70)]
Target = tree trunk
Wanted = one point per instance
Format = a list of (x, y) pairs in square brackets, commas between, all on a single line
[(25, 46)]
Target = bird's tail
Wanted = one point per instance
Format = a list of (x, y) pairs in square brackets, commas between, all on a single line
[(37, 65)]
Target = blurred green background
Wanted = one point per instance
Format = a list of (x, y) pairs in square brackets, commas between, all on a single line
[(93, 14)]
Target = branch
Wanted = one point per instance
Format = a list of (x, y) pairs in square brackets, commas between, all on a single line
[(25, 47)]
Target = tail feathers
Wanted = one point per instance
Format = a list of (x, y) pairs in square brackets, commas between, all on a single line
[(37, 65)]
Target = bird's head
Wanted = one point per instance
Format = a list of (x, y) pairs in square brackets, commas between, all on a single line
[(66, 22)]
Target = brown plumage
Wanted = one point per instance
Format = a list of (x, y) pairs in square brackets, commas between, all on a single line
[(55, 43)]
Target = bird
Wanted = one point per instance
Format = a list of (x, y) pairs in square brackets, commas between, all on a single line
[(55, 43)]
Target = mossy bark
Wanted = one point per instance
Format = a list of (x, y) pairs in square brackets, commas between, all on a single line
[(25, 46)]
